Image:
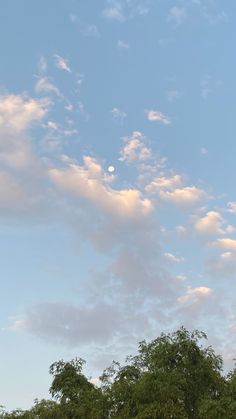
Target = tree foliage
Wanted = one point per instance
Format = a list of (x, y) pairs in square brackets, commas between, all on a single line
[(174, 376)]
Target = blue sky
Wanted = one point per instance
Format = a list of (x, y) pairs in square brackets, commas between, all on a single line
[(117, 181)]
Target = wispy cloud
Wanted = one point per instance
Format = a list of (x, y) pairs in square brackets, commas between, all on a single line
[(163, 183), (18, 113), (226, 243), (88, 182), (188, 195), (114, 11), (158, 116), (231, 207), (62, 63), (118, 115), (177, 15), (211, 224), (123, 45), (44, 85), (42, 65), (204, 151), (87, 29), (195, 295), (134, 149), (172, 258), (173, 95), (215, 18)]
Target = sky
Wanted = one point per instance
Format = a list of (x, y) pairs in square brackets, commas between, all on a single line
[(117, 181)]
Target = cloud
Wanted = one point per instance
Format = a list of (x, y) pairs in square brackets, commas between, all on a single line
[(181, 231), (173, 95), (87, 29), (62, 63), (231, 207), (13, 197), (215, 19), (222, 265), (134, 149), (120, 302), (204, 151), (226, 243), (211, 224), (158, 116), (188, 195), (177, 15), (118, 115), (139, 7), (164, 42), (114, 11), (123, 45), (88, 182), (195, 295), (161, 183), (42, 65), (90, 30), (69, 107), (44, 85), (68, 324), (172, 258), (18, 113)]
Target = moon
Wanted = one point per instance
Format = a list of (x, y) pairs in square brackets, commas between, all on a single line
[(111, 169)]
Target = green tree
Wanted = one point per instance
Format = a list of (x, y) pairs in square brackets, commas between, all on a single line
[(168, 378), (172, 377), (77, 396)]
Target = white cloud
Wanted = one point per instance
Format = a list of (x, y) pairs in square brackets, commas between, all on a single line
[(13, 197), (206, 88), (231, 207), (164, 42), (69, 324), (172, 258), (215, 19), (69, 107), (139, 7), (226, 243), (181, 278), (158, 116), (204, 151), (44, 85), (123, 45), (223, 265), (114, 11), (42, 65), (134, 149), (195, 295), (160, 183), (211, 224), (189, 195), (89, 30), (173, 95), (181, 231), (88, 182), (52, 125), (118, 114), (177, 15), (62, 63), (18, 113)]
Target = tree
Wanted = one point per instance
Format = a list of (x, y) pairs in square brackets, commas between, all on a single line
[(168, 378), (172, 377), (78, 397)]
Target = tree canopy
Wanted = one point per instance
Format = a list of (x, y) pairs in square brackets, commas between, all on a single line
[(174, 376)]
